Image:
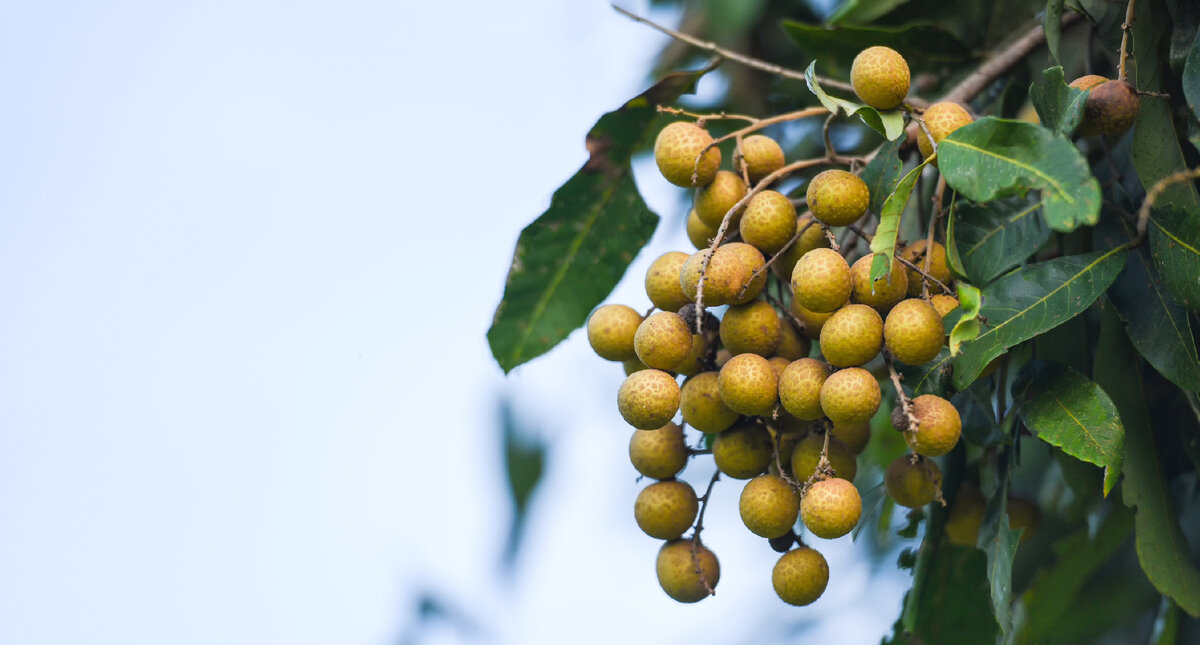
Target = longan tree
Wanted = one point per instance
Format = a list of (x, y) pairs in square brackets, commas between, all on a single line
[(943, 294)]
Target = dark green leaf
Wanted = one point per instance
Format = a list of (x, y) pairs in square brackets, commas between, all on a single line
[(1175, 246), (524, 462), (993, 158), (952, 605), (1029, 301), (857, 12), (919, 42), (994, 237), (967, 327), (883, 245), (882, 174), (890, 123), (930, 378), (1064, 408), (1059, 106), (1052, 25), (570, 258), (1162, 550), (999, 542), (1191, 77)]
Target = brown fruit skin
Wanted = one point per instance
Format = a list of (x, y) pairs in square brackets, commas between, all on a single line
[(663, 341), (813, 321), (648, 399), (726, 274), (943, 304), (1111, 108), (761, 155), (753, 260), (850, 395), (769, 221), (743, 451), (800, 576), (699, 233), (913, 332), (748, 385), (665, 510), (675, 152), (880, 77), (1024, 514), (658, 454), (768, 506), (807, 454), (885, 292), (853, 335), (702, 407), (821, 281), (752, 328), (713, 201), (965, 516), (837, 197), (812, 238), (792, 345), (938, 266), (938, 426), (800, 388), (912, 485), (854, 435), (676, 571), (941, 119), (662, 281), (831, 508), (610, 332)]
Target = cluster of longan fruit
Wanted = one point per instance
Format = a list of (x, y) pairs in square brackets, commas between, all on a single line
[(788, 420)]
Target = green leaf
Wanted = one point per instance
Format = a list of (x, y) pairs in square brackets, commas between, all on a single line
[(922, 43), (930, 378), (967, 327), (1059, 106), (993, 158), (952, 604), (524, 462), (1052, 25), (1161, 547), (883, 245), (1032, 300), (1175, 246), (883, 172), (862, 11), (890, 123), (570, 258), (999, 543), (1066, 409), (1191, 77), (994, 237)]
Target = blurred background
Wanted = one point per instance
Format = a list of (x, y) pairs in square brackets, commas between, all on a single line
[(249, 251)]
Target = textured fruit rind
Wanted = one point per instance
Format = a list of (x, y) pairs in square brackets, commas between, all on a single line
[(659, 453), (881, 294), (752, 328), (761, 155), (699, 233), (943, 304), (752, 260), (938, 426), (702, 407), (713, 202), (913, 332), (850, 395), (941, 119), (743, 451), (662, 281), (610, 332), (837, 197), (800, 576), (676, 569), (648, 399), (663, 340), (724, 277), (880, 77), (665, 510), (769, 221), (675, 152), (821, 281), (768, 506), (800, 388), (854, 435), (912, 485), (812, 238), (813, 321), (938, 267), (852, 336), (807, 454), (748, 384), (831, 508)]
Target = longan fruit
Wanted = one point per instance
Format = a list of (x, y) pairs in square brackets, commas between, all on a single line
[(753, 260), (831, 508), (806, 456), (660, 453), (663, 340), (1024, 514), (662, 281), (854, 435), (778, 363), (965, 516), (850, 395), (713, 201), (852, 336), (698, 233), (768, 506), (879, 76), (748, 384), (695, 361), (725, 275), (792, 345), (769, 221), (610, 331), (881, 294), (812, 320), (1111, 108), (941, 119), (743, 451), (633, 365), (676, 149), (913, 332), (800, 388), (813, 237), (648, 399), (800, 576), (702, 407), (938, 426), (821, 281), (752, 328), (837, 197), (682, 575), (666, 509), (943, 304), (938, 266), (912, 484), (761, 155)]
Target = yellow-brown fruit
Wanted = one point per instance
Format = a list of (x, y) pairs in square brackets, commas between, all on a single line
[(880, 77), (811, 238), (837, 197), (748, 384), (702, 407), (769, 221), (752, 328), (800, 576), (698, 233), (663, 340), (938, 267), (941, 119), (792, 345), (753, 260), (807, 454), (821, 281), (648, 399), (610, 331), (662, 281), (850, 395), (725, 276), (854, 435), (852, 336), (938, 426), (633, 365), (1111, 108), (676, 149), (1024, 514), (778, 363), (664, 510), (768, 506), (882, 294), (800, 388), (813, 321), (686, 576), (713, 201), (831, 508), (660, 453), (694, 362), (913, 332), (965, 516), (743, 451), (912, 485), (1088, 82), (943, 304), (761, 156)]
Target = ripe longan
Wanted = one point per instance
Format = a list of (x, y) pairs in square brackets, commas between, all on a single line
[(768, 506), (812, 238), (941, 119), (965, 517), (807, 455), (713, 201), (633, 365), (880, 77), (831, 508), (943, 304), (761, 155), (725, 276), (676, 149), (938, 266), (1111, 108), (778, 363), (852, 336), (684, 577), (837, 197), (821, 281), (769, 221), (610, 332), (743, 451), (648, 399), (913, 332), (699, 233), (666, 509), (938, 426), (696, 360), (812, 320), (792, 345), (752, 328), (658, 454), (662, 281), (800, 576), (748, 384), (800, 388), (702, 407), (752, 260), (850, 395), (854, 435), (912, 485), (663, 340), (881, 294)]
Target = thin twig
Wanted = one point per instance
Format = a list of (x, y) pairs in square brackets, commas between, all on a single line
[(787, 479), (1126, 31), (780, 252), (1152, 196), (1007, 56), (925, 274), (696, 533), (905, 404), (938, 195), (829, 151)]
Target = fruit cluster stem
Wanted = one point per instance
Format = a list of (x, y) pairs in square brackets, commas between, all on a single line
[(696, 533), (1126, 31), (905, 403)]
